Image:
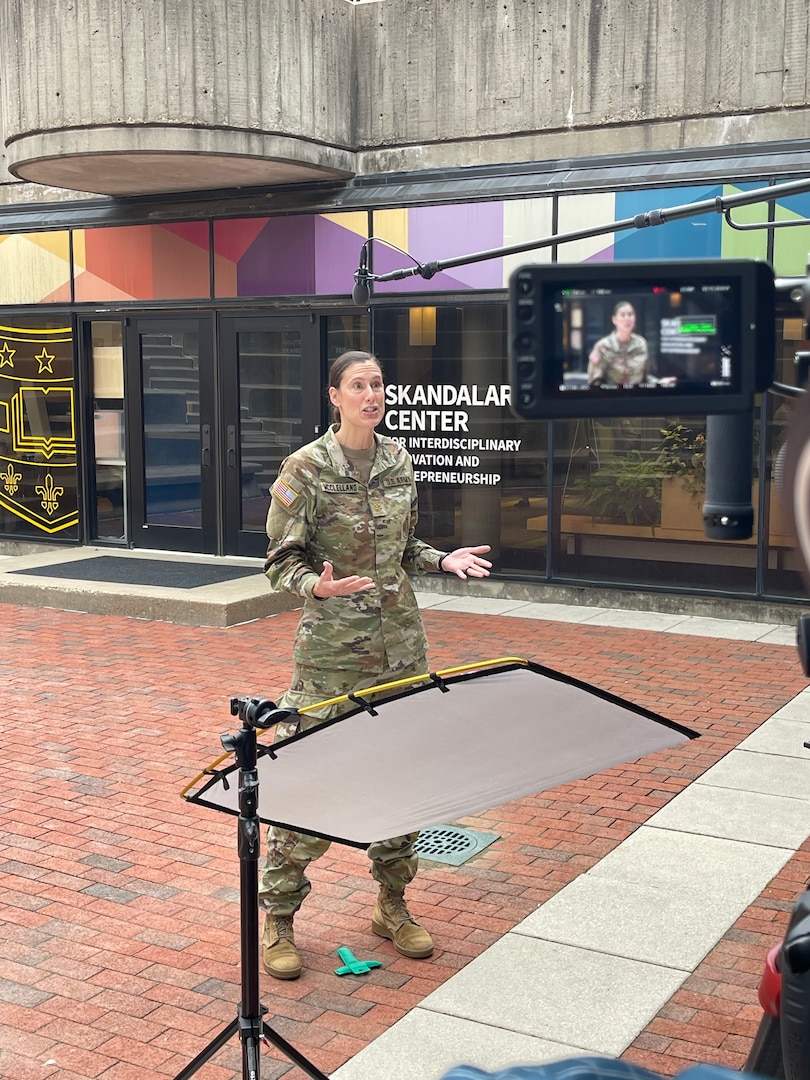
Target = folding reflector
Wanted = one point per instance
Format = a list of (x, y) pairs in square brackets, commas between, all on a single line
[(469, 739)]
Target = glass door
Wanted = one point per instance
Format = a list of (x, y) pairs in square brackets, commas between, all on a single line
[(271, 405), (172, 425)]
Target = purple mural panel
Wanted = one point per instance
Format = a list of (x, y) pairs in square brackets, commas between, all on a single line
[(443, 232), (387, 259), (281, 260), (337, 256), (605, 255)]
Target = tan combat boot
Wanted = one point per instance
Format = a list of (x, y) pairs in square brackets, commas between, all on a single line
[(392, 920), (280, 956)]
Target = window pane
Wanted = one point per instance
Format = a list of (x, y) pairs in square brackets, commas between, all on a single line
[(481, 473), (172, 438), (107, 354), (783, 574), (35, 268), (631, 498), (269, 363), (142, 262)]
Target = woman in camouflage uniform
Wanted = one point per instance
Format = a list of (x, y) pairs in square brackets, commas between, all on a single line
[(341, 528), (622, 358)]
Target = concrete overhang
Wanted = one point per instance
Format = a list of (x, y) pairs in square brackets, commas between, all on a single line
[(125, 161)]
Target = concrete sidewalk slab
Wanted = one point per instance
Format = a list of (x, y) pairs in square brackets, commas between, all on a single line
[(556, 612), (768, 773), (478, 605), (734, 629), (782, 635), (781, 736), (638, 620), (557, 992), (796, 709), (715, 869), (733, 814), (425, 1045), (637, 921)]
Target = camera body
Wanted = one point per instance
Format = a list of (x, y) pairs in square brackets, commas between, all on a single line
[(640, 339)]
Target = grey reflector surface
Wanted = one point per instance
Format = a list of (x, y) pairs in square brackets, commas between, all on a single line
[(430, 756)]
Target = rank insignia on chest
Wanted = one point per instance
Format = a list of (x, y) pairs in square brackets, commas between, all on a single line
[(285, 494)]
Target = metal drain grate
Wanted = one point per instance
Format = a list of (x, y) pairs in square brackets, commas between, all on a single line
[(451, 844)]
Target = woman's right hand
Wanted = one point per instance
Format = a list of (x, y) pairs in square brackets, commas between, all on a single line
[(328, 585)]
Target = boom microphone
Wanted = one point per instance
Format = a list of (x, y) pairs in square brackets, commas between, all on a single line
[(362, 280), (728, 513)]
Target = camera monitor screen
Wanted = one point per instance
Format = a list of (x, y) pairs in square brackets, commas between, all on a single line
[(640, 339)]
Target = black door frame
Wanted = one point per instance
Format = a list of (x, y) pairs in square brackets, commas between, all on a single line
[(203, 538), (237, 540), (220, 531)]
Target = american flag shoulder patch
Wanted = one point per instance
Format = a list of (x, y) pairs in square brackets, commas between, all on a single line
[(285, 494)]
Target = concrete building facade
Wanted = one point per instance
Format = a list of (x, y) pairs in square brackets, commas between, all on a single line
[(187, 186)]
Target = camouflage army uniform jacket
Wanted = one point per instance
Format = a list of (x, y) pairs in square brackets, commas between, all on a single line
[(320, 511), (619, 364)]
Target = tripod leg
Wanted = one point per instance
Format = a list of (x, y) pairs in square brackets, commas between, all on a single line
[(205, 1055), (250, 1059), (303, 1063)]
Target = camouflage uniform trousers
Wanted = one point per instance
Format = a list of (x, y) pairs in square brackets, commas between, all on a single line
[(283, 884)]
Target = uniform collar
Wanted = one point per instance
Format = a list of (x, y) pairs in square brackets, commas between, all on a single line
[(619, 346), (383, 459)]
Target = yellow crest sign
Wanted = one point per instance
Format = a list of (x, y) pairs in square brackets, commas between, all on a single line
[(38, 480)]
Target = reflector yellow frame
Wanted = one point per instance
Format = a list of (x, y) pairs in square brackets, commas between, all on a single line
[(368, 691)]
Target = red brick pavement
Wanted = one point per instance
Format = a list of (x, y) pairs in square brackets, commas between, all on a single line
[(119, 903)]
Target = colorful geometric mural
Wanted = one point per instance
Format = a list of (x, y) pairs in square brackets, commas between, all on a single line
[(791, 245), (303, 254), (34, 267), (142, 262), (524, 220), (578, 212), (317, 254), (438, 233), (38, 480)]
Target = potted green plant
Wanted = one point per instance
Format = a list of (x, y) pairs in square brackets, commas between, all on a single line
[(626, 490), (682, 460), (661, 486), (682, 453)]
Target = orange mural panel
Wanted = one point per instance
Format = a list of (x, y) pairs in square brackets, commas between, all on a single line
[(180, 267), (120, 256), (225, 277)]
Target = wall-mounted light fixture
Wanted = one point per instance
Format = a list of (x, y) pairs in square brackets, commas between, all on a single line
[(422, 326)]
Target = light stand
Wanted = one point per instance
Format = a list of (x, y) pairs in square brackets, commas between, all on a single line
[(249, 1022), (529, 754)]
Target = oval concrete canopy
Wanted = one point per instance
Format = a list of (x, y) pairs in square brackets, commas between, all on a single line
[(126, 161)]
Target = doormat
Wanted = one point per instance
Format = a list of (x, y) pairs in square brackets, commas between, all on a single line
[(162, 573)]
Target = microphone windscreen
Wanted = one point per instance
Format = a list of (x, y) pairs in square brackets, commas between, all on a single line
[(361, 293)]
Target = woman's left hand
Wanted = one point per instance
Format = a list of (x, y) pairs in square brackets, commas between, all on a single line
[(465, 562)]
